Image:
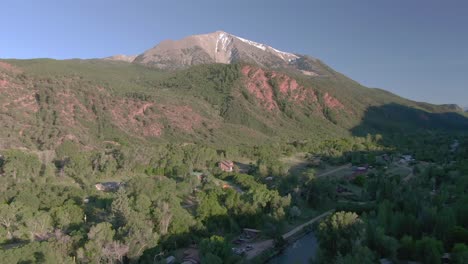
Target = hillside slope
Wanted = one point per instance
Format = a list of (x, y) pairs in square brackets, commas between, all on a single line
[(46, 102)]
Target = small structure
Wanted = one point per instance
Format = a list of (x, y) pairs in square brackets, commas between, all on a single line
[(108, 186), (170, 260), (454, 146), (2, 161), (226, 165), (385, 261), (315, 161), (362, 169), (341, 189), (250, 233), (406, 158), (386, 157), (191, 256), (446, 258), (199, 175)]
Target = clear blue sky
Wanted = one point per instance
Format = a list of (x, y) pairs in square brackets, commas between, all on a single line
[(415, 48)]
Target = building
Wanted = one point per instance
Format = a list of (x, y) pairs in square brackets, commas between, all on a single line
[(226, 165)]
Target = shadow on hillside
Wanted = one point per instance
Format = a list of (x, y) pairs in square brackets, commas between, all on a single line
[(396, 118)]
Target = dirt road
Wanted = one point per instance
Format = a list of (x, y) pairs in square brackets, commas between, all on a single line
[(346, 166)]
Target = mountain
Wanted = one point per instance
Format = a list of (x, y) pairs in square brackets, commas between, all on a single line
[(216, 88), (222, 47), (465, 109)]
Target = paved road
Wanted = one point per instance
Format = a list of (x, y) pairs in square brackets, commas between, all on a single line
[(299, 228), (261, 246)]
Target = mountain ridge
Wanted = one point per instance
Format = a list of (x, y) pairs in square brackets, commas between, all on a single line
[(47, 102), (221, 47)]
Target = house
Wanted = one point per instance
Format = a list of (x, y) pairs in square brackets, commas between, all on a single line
[(226, 165), (108, 186)]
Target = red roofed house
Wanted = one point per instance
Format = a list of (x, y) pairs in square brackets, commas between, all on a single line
[(226, 165)]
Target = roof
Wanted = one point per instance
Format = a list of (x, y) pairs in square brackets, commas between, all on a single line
[(227, 163)]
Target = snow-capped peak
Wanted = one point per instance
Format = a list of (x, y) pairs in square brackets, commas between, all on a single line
[(223, 41), (283, 55)]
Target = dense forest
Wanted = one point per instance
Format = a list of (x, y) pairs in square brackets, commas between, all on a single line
[(52, 212)]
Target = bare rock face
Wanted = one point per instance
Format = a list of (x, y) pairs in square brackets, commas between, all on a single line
[(219, 47)]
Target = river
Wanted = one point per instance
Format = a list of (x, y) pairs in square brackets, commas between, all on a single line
[(299, 252)]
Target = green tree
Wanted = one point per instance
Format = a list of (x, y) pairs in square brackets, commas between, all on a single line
[(429, 250), (216, 246), (339, 232), (99, 236), (67, 215), (460, 254), (9, 218), (359, 255), (121, 208), (407, 250)]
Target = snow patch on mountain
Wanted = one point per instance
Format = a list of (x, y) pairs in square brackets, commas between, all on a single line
[(252, 43), (286, 56)]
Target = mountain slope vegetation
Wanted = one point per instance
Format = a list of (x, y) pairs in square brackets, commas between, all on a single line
[(45, 102)]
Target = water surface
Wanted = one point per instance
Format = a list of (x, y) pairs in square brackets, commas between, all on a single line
[(299, 252)]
